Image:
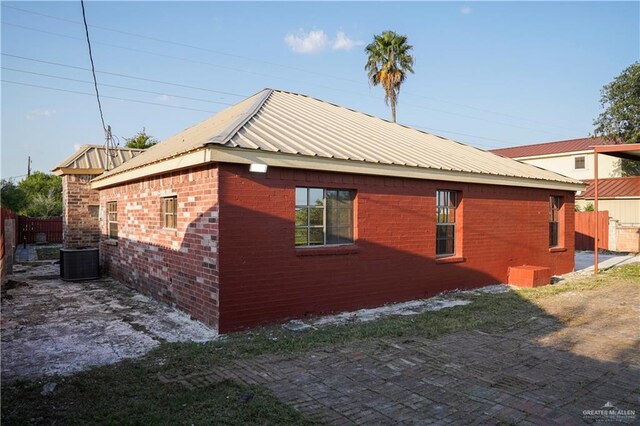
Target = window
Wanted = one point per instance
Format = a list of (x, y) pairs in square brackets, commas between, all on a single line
[(112, 219), (555, 203), (170, 212), (94, 211), (324, 217), (579, 163), (446, 204)]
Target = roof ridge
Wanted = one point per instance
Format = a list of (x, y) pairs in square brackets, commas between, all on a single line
[(352, 110), (226, 134), (545, 143), (114, 147), (406, 126), (613, 178), (76, 154), (84, 148), (288, 123)]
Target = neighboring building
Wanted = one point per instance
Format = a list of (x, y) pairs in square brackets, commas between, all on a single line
[(284, 206), (573, 158), (619, 196), (80, 204)]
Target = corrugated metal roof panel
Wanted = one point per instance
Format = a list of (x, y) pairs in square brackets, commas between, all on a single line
[(572, 145), (284, 122), (95, 157), (215, 129), (613, 187)]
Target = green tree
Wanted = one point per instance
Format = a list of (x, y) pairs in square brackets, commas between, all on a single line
[(388, 61), (141, 140), (620, 120), (12, 197), (46, 204), (43, 195)]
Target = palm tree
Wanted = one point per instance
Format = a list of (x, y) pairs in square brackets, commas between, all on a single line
[(387, 64)]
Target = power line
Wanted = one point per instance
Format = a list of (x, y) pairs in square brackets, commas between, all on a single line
[(123, 75), (287, 67), (200, 110), (189, 98), (93, 68), (324, 87), (195, 61), (115, 86), (107, 97), (175, 43), (13, 177), (459, 133)]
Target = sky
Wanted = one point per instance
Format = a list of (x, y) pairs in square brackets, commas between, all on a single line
[(489, 74)]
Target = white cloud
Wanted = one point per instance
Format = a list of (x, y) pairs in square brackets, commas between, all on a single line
[(165, 99), (466, 10), (37, 113), (311, 42), (343, 42), (317, 41)]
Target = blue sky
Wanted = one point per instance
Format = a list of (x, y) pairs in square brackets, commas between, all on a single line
[(487, 74)]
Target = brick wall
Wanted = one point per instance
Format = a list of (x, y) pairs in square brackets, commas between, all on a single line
[(178, 267), (79, 227), (264, 278)]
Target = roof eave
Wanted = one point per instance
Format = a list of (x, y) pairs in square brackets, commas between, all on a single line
[(221, 154)]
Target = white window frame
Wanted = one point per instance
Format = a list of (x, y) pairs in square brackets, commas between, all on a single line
[(454, 224), (110, 221)]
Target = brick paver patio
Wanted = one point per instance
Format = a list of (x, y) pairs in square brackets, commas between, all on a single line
[(523, 375)]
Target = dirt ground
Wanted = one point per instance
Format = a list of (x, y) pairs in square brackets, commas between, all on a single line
[(603, 324)]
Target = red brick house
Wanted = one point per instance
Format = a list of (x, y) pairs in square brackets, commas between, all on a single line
[(80, 203), (284, 206)]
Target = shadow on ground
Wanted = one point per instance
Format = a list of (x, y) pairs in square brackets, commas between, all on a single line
[(535, 368), (543, 356)]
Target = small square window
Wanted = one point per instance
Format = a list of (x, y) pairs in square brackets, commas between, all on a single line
[(170, 212), (580, 163), (94, 211)]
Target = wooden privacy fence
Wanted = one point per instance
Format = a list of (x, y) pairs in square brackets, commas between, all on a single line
[(6, 214), (29, 227), (585, 230)]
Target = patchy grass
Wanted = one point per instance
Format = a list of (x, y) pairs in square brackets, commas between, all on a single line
[(487, 312), (48, 253), (126, 395), (627, 273), (130, 392)]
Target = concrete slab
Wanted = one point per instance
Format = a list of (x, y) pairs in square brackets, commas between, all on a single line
[(54, 327), (584, 260)]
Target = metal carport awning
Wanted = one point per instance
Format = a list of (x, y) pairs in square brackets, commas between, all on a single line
[(626, 151)]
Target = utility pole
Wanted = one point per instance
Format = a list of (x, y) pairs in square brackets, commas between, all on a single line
[(29, 166), (108, 137)]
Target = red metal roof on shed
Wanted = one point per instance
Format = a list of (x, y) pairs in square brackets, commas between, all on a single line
[(613, 187), (571, 145)]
